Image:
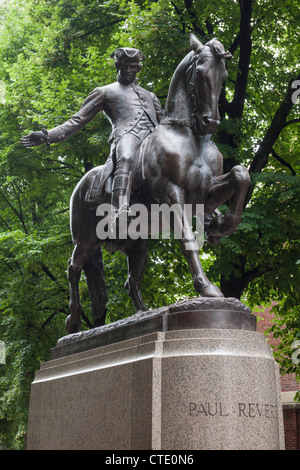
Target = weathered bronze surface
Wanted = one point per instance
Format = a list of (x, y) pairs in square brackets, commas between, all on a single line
[(156, 157)]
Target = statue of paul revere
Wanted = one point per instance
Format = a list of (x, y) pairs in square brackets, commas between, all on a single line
[(180, 165), (133, 112)]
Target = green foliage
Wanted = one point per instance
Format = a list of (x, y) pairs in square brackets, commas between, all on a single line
[(286, 327), (53, 53)]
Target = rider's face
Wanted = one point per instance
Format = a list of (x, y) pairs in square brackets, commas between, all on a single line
[(128, 71)]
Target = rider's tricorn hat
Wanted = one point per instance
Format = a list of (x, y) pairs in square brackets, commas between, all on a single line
[(128, 53)]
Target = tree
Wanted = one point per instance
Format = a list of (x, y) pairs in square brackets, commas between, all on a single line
[(45, 76)]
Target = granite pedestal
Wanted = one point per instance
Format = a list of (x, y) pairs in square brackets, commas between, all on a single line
[(194, 375)]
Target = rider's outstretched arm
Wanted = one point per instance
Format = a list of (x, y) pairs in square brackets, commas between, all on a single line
[(91, 106)]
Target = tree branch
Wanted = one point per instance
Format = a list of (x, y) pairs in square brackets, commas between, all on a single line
[(283, 162), (278, 123), (236, 285), (52, 277), (236, 41), (256, 272), (236, 107), (20, 216), (53, 315), (235, 44), (95, 30), (292, 121), (209, 26), (46, 322), (6, 224), (179, 13), (189, 4)]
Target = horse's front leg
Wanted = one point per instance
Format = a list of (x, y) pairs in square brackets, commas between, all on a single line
[(190, 249), (95, 278), (201, 283), (230, 187)]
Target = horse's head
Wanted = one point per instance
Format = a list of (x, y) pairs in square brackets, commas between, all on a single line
[(208, 74)]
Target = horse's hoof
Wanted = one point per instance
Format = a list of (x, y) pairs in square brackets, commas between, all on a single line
[(99, 322), (72, 326), (210, 290)]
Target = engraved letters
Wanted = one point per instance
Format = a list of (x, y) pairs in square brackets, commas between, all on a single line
[(207, 409), (257, 410), (242, 410)]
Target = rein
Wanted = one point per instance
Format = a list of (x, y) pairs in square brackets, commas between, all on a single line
[(192, 124)]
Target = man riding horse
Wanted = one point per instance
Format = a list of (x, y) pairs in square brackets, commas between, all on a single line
[(180, 165), (133, 112)]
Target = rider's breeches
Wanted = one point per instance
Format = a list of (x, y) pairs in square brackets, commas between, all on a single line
[(126, 150)]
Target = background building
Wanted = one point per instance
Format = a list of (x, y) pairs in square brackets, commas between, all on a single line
[(289, 387)]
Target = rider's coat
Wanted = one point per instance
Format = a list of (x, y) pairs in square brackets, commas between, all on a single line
[(124, 105)]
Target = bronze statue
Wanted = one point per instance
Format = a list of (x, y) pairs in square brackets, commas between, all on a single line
[(155, 158), (133, 112)]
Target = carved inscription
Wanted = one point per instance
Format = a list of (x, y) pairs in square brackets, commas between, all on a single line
[(242, 410), (258, 410), (207, 409)]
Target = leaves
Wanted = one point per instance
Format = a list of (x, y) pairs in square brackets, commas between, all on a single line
[(46, 73)]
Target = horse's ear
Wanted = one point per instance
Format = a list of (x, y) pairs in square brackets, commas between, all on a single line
[(227, 55), (196, 45)]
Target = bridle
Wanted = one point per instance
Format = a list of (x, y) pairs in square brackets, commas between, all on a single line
[(194, 122), (195, 118)]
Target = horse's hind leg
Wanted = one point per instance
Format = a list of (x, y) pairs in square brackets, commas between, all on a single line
[(94, 272), (73, 322), (137, 257)]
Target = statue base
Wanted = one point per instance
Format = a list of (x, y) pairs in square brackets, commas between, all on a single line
[(194, 375)]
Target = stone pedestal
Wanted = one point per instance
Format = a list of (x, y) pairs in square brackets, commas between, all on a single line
[(182, 379)]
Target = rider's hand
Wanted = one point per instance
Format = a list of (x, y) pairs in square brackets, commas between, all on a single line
[(33, 139)]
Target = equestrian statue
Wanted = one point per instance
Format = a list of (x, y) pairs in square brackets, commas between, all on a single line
[(157, 157)]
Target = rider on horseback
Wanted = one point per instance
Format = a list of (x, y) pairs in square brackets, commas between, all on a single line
[(133, 112), (181, 165)]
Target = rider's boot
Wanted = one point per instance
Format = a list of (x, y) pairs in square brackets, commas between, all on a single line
[(120, 201)]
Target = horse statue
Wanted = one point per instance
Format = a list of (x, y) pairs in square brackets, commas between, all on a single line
[(180, 165), (177, 165)]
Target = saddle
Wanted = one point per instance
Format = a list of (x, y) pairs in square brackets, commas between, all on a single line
[(101, 185)]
